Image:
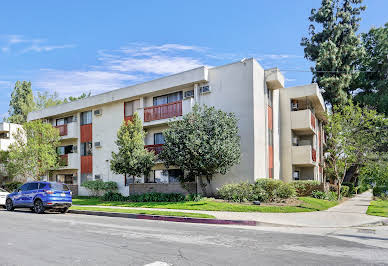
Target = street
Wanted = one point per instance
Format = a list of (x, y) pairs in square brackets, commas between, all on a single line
[(71, 239)]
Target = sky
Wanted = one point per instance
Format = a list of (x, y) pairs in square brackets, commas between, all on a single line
[(71, 47)]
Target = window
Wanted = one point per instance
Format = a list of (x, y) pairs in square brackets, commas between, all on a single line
[(62, 150), (4, 135), (42, 185), (130, 107), (24, 187), (270, 97), (296, 175), (168, 98), (86, 118), (158, 138), (64, 121), (33, 186), (165, 176), (86, 148), (59, 187), (86, 177)]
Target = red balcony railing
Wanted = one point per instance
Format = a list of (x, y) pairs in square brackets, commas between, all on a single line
[(156, 148), (62, 130), (163, 111), (128, 118), (313, 121), (314, 155), (64, 160)]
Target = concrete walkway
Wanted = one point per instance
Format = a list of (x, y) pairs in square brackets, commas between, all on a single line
[(349, 213)]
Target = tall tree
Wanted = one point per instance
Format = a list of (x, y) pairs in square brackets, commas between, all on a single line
[(45, 99), (73, 99), (334, 47), (21, 103), (372, 82), (33, 154), (203, 143), (355, 137), (131, 159)]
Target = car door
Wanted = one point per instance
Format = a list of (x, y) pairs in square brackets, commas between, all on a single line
[(29, 195), (18, 197)]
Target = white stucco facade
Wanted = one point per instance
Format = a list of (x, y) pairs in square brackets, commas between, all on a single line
[(256, 96)]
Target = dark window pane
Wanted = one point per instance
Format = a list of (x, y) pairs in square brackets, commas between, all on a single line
[(24, 187), (86, 118), (33, 186), (42, 185), (158, 138)]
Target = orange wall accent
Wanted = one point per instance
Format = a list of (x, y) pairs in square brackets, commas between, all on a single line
[(270, 117), (86, 133), (86, 164)]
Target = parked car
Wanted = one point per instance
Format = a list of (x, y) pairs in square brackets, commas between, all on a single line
[(3, 196), (40, 196)]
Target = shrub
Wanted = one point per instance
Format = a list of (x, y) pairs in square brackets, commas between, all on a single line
[(275, 189), (98, 187), (193, 197), (331, 195), (318, 194), (380, 191), (146, 197), (306, 187), (351, 186), (12, 186), (345, 191), (237, 192), (113, 196)]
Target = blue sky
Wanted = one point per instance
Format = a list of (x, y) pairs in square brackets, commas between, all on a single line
[(78, 46)]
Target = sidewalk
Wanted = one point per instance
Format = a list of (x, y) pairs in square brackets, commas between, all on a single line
[(349, 213)]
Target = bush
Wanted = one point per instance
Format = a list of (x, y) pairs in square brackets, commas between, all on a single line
[(331, 195), (237, 192), (98, 187), (113, 196), (345, 191), (318, 194), (275, 189), (193, 197), (12, 186), (380, 191), (306, 187), (351, 186)]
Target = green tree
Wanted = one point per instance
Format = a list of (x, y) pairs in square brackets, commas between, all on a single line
[(334, 47), (355, 137), (45, 99), (203, 143), (132, 159), (73, 99), (21, 103), (33, 153), (372, 82)]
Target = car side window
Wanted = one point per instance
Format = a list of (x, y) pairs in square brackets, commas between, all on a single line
[(33, 186), (24, 187), (42, 185)]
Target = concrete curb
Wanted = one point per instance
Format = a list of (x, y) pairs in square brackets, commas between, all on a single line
[(168, 218), (378, 223)]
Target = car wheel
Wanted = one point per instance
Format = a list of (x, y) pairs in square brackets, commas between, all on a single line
[(64, 210), (38, 207), (9, 205)]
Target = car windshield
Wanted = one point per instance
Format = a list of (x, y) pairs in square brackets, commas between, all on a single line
[(59, 186)]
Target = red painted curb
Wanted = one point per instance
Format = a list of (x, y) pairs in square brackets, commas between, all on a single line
[(165, 218)]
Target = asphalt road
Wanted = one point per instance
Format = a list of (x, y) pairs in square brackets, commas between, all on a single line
[(71, 239)]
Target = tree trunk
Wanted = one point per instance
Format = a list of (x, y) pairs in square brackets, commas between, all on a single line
[(202, 185), (339, 190)]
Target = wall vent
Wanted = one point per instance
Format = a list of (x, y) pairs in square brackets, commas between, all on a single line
[(98, 112), (189, 94), (205, 89), (97, 144)]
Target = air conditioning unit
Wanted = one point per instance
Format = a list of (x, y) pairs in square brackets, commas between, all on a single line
[(205, 89), (97, 177), (75, 118), (97, 144), (189, 94), (75, 149), (295, 141), (294, 106), (98, 112)]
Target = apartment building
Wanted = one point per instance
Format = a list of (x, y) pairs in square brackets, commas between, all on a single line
[(7, 131), (280, 128)]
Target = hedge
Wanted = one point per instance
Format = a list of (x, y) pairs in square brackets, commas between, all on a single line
[(305, 188)]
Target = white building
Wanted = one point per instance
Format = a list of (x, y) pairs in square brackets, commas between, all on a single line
[(280, 128)]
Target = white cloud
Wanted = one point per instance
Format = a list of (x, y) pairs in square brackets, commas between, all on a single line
[(21, 44), (70, 83)]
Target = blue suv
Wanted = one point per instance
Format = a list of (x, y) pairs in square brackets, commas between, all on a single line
[(40, 196)]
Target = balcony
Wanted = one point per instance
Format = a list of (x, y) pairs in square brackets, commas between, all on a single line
[(156, 148), (163, 111), (304, 155), (4, 144), (69, 161), (303, 122), (68, 131)]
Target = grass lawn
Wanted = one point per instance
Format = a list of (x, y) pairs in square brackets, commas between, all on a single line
[(378, 208), (150, 212), (307, 204)]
